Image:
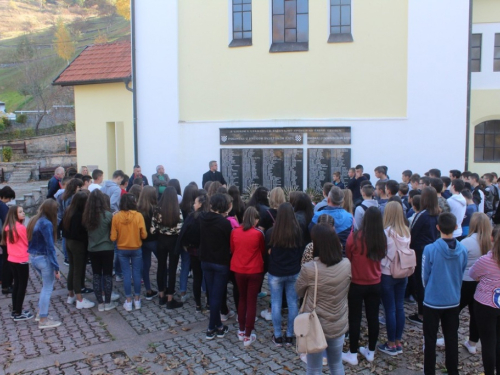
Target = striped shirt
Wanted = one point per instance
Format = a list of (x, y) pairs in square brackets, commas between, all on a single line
[(487, 271)]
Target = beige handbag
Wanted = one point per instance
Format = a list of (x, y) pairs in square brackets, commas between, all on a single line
[(308, 331)]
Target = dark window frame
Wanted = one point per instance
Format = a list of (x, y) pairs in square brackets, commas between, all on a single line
[(345, 30), (496, 53), (487, 142), (241, 40), (297, 32), (475, 62)]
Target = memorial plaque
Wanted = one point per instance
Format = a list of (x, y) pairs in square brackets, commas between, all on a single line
[(327, 135), (267, 167), (322, 162)]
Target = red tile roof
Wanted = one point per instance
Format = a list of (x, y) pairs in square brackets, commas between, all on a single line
[(98, 63)]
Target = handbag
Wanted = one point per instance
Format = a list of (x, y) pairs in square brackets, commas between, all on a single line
[(309, 334)]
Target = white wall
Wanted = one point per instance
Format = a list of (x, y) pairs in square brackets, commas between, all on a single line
[(432, 136), (486, 79)]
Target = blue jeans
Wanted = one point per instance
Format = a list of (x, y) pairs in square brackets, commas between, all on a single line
[(116, 263), (393, 294), (334, 355), (43, 266), (185, 266), (276, 286), (147, 249), (63, 244), (216, 277), (126, 258)]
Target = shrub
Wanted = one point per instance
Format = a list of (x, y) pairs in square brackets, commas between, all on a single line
[(7, 154), (71, 126), (2, 126), (29, 132), (21, 119), (6, 122), (16, 134)]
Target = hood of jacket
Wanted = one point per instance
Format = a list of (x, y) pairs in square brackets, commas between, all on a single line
[(458, 199), (369, 203), (210, 218), (125, 217), (447, 252), (400, 241)]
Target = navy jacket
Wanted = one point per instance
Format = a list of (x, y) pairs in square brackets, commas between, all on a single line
[(423, 231), (54, 185), (132, 178)]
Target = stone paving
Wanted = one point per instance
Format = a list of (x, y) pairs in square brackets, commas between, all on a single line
[(154, 340)]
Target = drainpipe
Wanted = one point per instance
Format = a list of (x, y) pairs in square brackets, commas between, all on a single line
[(134, 84), (469, 74)]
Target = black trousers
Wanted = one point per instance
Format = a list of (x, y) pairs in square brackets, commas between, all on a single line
[(197, 278), (236, 295), (370, 295), (449, 324), (488, 324), (6, 270), (166, 250), (419, 286), (20, 273), (467, 299), (102, 271)]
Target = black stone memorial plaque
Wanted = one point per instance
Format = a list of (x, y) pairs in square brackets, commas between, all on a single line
[(322, 162)]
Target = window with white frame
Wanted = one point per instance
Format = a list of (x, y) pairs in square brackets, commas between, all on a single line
[(290, 25), (340, 21), (242, 23)]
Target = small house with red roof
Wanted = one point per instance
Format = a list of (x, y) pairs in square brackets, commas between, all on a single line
[(101, 76)]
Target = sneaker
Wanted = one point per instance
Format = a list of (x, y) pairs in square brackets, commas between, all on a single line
[(410, 301), (351, 358), (66, 262), (226, 317), (440, 342), (115, 296), (198, 309), (71, 300), (119, 279), (100, 307), (127, 306), (184, 297), (278, 341), (415, 319), (266, 314), (210, 335), (399, 349), (173, 304), (262, 295), (385, 348), (468, 346), (49, 323), (247, 341), (368, 354), (221, 332), (84, 304), (137, 304), (87, 290), (162, 300), (151, 295), (23, 316), (325, 361), (37, 317), (381, 320), (288, 341), (110, 306), (241, 335)]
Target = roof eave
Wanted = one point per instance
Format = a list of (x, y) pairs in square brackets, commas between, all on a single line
[(92, 82)]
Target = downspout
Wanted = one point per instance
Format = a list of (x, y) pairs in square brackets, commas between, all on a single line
[(134, 84), (469, 74)]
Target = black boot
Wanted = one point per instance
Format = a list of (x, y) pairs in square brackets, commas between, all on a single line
[(173, 304)]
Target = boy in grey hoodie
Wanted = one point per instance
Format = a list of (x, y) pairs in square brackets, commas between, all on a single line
[(112, 189), (368, 201), (457, 204)]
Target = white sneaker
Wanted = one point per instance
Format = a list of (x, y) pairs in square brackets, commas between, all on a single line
[(137, 304), (110, 306), (351, 358), (440, 342), (127, 306), (266, 314), (115, 296), (119, 279), (325, 361), (303, 357), (84, 304), (368, 354), (247, 341), (71, 300), (100, 307), (225, 317), (49, 323), (241, 335), (469, 347)]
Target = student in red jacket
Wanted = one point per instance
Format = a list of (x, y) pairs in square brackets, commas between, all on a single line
[(247, 247), (15, 237)]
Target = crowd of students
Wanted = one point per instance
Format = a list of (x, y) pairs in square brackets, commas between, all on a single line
[(353, 238)]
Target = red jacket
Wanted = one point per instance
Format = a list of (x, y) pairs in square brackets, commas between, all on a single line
[(247, 248), (364, 270)]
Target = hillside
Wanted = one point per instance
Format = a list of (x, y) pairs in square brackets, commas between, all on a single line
[(24, 20)]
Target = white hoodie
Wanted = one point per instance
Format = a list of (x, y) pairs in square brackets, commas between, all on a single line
[(458, 206)]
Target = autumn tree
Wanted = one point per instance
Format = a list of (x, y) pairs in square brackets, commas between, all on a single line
[(101, 38), (63, 44), (123, 8)]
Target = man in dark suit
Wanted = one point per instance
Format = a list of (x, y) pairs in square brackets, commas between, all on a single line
[(213, 175)]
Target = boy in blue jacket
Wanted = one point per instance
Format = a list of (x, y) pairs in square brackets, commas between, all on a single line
[(443, 265)]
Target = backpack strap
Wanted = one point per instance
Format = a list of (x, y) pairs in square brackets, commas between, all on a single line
[(272, 217)]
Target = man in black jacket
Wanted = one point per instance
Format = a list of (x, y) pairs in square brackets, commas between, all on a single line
[(213, 175)]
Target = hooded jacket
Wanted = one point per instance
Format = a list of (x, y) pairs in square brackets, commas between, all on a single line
[(442, 271), (458, 205), (112, 190), (215, 235), (331, 300), (359, 213), (343, 221), (394, 242), (128, 230), (471, 244)]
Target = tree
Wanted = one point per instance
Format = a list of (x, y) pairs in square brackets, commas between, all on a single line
[(63, 44), (101, 38), (123, 8)]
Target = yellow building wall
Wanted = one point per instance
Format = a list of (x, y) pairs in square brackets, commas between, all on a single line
[(486, 11), (104, 127), (363, 79), (484, 107)]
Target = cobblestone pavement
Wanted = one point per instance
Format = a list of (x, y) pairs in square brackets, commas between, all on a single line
[(154, 340)]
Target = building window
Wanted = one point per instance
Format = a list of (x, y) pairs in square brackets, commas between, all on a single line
[(475, 53), (496, 57), (290, 25), (340, 21), (487, 141), (242, 23)]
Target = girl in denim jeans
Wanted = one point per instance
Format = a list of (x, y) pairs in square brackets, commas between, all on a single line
[(42, 232)]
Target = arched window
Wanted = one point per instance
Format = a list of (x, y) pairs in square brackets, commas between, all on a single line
[(290, 25), (487, 141)]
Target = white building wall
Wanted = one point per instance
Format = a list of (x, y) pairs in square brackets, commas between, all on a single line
[(433, 134)]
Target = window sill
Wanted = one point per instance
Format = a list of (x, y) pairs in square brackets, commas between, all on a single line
[(240, 43), (289, 47), (340, 38)]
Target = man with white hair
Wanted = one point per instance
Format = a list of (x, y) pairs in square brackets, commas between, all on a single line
[(55, 182), (160, 180)]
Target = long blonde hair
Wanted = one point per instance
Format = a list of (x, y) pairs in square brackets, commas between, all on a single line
[(480, 224), (348, 204), (276, 197), (394, 218)]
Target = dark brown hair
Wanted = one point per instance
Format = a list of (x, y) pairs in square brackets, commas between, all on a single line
[(147, 201), (429, 201), (168, 208), (128, 203), (286, 231), (77, 205), (372, 235), (11, 221), (326, 244), (48, 209), (249, 217), (95, 208), (71, 187)]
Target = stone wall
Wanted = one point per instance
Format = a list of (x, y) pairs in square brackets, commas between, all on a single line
[(46, 144)]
